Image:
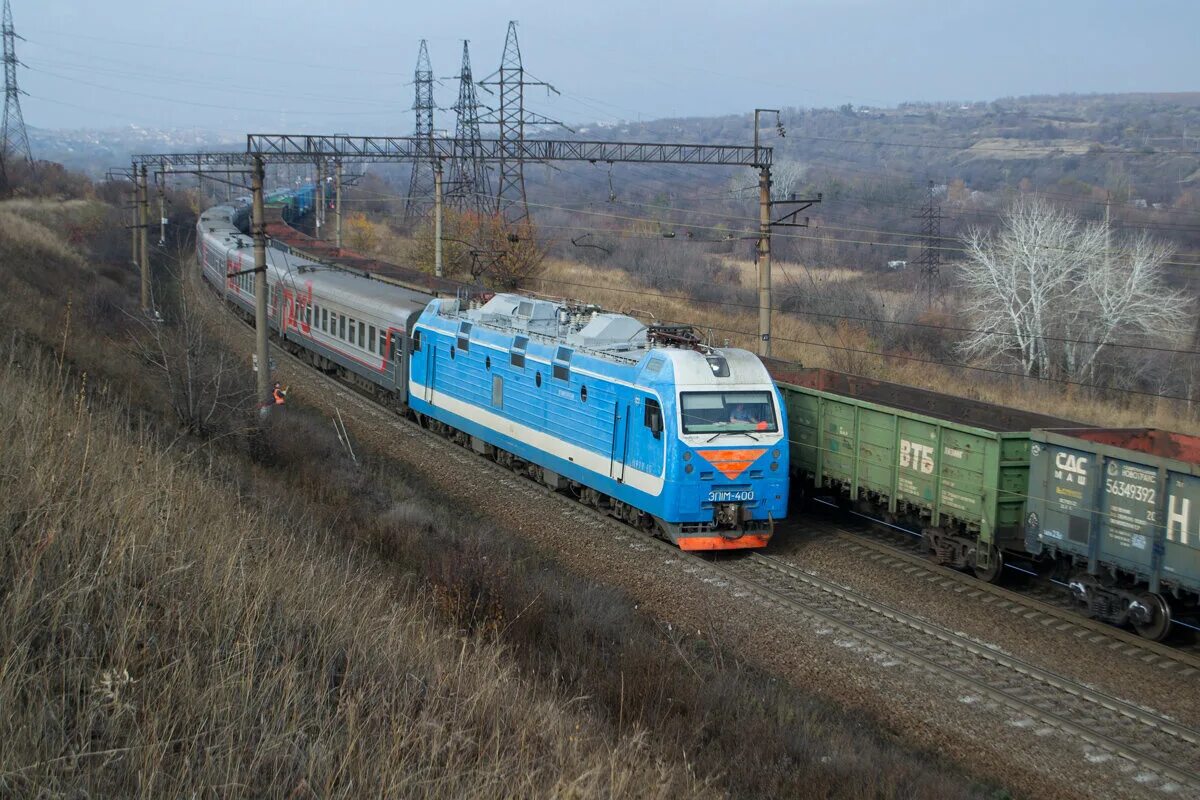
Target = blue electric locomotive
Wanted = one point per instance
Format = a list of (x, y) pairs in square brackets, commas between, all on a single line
[(661, 432), (657, 430)]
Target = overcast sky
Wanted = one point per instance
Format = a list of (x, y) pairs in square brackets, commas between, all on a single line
[(303, 66)]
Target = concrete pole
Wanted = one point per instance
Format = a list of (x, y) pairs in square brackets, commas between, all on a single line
[(437, 217), (764, 262), (161, 179), (319, 219), (337, 201), (136, 212), (144, 237), (258, 230)]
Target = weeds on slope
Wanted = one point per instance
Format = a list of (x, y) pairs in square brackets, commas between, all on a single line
[(163, 637)]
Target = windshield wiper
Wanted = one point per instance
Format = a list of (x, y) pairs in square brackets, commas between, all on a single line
[(733, 433)]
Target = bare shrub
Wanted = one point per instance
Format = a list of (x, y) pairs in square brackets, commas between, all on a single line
[(210, 391)]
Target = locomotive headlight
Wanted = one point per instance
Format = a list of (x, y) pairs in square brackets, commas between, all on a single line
[(687, 456), (775, 454), (774, 466), (688, 468)]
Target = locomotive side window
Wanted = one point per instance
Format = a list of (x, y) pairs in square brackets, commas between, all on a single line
[(653, 417), (416, 341), (464, 336), (562, 364), (517, 359)]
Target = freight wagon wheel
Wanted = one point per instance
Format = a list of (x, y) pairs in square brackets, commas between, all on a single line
[(990, 574), (1153, 620)]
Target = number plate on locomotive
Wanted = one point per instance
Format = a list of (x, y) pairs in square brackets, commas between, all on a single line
[(731, 496)]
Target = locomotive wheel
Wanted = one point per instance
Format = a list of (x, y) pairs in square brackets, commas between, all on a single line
[(1159, 624), (991, 574)]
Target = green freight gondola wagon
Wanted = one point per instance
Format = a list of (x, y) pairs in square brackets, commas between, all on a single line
[(956, 468)]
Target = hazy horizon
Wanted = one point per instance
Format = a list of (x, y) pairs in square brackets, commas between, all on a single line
[(350, 69)]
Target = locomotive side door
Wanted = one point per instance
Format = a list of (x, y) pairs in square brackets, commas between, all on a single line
[(620, 440)]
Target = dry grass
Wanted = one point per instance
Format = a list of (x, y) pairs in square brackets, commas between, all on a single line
[(164, 636), (747, 272)]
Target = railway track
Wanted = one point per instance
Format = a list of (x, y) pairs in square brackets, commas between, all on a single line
[(1166, 753), (1036, 605)]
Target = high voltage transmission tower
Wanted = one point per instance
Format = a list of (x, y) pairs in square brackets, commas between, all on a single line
[(512, 119), (15, 140), (470, 185), (930, 259), (421, 184)]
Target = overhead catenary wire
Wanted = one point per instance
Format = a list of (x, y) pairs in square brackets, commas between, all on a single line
[(873, 320)]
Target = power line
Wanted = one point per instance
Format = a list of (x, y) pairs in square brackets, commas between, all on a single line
[(902, 356)]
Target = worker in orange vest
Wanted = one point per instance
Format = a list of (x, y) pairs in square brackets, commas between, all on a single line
[(280, 394)]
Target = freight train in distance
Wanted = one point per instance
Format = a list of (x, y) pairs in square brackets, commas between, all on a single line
[(644, 423), (698, 444)]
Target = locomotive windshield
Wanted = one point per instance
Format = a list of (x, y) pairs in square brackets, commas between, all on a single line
[(728, 412)]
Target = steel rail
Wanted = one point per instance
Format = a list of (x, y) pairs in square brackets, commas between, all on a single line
[(1183, 661)]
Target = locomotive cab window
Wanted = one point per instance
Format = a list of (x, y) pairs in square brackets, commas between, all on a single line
[(728, 412), (653, 418), (416, 337)]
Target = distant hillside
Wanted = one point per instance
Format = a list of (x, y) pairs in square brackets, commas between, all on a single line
[(93, 151), (1143, 146)]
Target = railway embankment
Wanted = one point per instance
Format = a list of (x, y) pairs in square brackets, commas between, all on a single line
[(251, 611)]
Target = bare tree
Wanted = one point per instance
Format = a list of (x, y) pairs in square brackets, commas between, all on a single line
[(787, 176), (208, 388), (1052, 294)]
